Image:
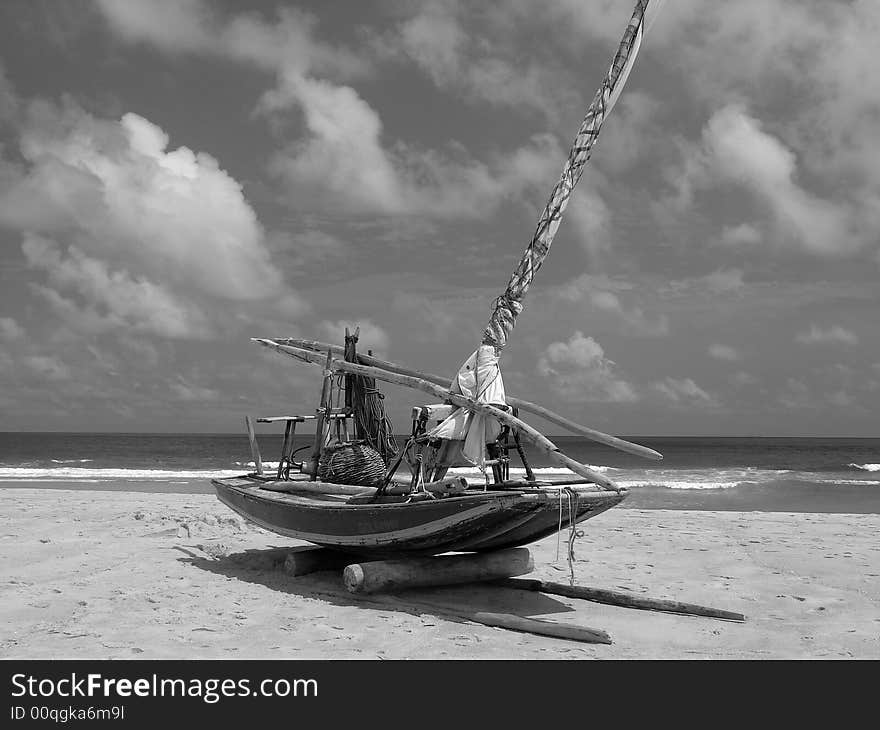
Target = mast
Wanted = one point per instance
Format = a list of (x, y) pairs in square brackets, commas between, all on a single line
[(507, 307)]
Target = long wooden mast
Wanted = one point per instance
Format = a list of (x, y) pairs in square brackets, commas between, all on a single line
[(508, 306)]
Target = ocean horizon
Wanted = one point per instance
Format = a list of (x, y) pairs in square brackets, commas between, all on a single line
[(789, 474)]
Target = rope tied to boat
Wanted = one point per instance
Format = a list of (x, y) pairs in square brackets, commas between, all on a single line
[(573, 532)]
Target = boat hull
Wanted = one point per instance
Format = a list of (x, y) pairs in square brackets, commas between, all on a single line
[(475, 521)]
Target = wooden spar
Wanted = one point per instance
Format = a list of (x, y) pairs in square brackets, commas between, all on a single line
[(511, 622), (380, 576), (590, 433), (255, 447), (449, 485), (370, 360), (586, 432), (539, 627), (616, 598), (538, 439)]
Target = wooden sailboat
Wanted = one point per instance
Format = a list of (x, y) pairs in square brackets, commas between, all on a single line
[(352, 493)]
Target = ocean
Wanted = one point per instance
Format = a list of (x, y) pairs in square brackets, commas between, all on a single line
[(704, 473)]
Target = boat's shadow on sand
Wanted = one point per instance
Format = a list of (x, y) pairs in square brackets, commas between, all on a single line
[(265, 567)]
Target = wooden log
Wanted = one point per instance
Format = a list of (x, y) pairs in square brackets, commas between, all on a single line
[(396, 575), (305, 560), (538, 439), (534, 408), (255, 447), (617, 598)]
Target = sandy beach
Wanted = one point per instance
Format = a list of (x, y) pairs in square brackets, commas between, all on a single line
[(132, 575)]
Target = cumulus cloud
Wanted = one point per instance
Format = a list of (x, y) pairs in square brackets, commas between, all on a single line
[(285, 43), (724, 352), (736, 150), (816, 176), (599, 293), (111, 186), (579, 371), (685, 390), (835, 335), (342, 161), (465, 52), (106, 299), (130, 233)]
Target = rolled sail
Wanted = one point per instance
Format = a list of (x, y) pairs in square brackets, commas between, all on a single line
[(508, 306)]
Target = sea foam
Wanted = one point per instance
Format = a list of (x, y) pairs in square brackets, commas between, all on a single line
[(865, 467), (77, 474)]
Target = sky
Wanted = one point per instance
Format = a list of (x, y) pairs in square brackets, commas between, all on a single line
[(177, 177)]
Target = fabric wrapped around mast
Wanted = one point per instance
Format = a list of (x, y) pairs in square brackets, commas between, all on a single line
[(479, 378), (509, 305)]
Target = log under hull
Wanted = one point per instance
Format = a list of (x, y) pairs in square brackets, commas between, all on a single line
[(474, 521)]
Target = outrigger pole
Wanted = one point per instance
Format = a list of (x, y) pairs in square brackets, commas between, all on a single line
[(408, 381), (590, 433)]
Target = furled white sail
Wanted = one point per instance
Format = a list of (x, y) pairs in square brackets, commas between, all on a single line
[(479, 378), (508, 306)]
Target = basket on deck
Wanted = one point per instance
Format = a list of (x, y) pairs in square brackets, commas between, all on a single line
[(351, 463)]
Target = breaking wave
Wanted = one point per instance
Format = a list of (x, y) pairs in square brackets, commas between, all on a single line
[(76, 474), (865, 467), (678, 479)]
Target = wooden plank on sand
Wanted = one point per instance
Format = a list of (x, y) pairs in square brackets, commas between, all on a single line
[(617, 598)]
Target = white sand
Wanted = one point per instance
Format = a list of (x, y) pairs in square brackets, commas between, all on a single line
[(104, 574)]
